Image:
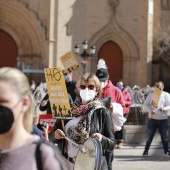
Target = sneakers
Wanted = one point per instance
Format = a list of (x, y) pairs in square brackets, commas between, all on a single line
[(145, 153), (120, 145), (167, 153)]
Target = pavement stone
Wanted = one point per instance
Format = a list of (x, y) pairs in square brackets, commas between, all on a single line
[(130, 158)]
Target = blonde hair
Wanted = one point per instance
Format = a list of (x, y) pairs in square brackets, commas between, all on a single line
[(87, 78), (20, 84)]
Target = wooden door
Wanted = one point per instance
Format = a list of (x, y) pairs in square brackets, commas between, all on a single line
[(113, 56), (8, 50)]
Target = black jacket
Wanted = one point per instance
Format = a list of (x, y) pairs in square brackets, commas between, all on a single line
[(47, 106), (71, 86), (100, 123)]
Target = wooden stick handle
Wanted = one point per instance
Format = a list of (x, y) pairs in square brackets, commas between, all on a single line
[(77, 74)]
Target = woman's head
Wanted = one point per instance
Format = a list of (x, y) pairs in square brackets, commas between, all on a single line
[(119, 84), (16, 95), (88, 82)]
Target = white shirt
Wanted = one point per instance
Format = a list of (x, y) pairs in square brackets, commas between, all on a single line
[(164, 103)]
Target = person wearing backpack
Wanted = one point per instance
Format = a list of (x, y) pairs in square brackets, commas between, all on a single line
[(19, 149)]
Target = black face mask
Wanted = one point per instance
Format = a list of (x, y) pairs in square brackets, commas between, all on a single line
[(6, 119)]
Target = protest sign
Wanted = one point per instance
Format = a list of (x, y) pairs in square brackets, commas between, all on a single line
[(69, 62), (156, 97), (57, 92)]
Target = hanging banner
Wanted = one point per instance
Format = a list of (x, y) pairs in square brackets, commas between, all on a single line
[(156, 97), (58, 95), (69, 62)]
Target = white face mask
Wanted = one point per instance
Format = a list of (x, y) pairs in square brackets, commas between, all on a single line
[(87, 95), (103, 84)]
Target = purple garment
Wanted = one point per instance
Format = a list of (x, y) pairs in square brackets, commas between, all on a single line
[(24, 158)]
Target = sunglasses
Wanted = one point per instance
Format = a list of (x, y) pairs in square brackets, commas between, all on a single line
[(90, 87)]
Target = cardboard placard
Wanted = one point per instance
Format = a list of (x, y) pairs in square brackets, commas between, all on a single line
[(69, 62), (57, 92), (155, 97)]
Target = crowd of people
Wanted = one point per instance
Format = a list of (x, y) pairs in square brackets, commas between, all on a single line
[(91, 121)]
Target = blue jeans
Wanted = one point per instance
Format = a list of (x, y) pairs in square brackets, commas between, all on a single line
[(162, 126)]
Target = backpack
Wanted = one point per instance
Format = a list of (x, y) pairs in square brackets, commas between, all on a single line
[(38, 153)]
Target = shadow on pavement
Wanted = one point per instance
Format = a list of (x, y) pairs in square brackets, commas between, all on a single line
[(141, 158)]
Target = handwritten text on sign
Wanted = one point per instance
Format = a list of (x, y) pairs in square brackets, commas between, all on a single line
[(57, 91)]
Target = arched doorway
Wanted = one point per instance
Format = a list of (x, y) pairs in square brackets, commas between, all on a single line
[(113, 56), (8, 50)]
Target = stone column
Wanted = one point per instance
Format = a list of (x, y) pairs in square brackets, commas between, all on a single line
[(156, 28), (51, 41), (150, 41)]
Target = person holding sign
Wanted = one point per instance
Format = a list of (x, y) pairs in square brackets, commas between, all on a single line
[(45, 103), (70, 84), (19, 149), (90, 120), (157, 104), (39, 127)]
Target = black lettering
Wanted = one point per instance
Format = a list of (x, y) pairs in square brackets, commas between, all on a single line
[(49, 74), (56, 74)]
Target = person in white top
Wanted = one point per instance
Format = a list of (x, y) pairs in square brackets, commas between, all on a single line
[(158, 118)]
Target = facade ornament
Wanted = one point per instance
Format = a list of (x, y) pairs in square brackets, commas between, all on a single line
[(113, 3)]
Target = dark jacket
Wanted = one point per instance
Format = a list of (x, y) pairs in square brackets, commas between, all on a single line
[(71, 89), (47, 106), (100, 123)]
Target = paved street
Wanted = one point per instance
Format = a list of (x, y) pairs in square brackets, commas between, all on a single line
[(130, 158)]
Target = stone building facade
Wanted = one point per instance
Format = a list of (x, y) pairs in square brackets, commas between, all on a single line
[(38, 32)]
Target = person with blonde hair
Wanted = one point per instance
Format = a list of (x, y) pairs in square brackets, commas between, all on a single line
[(18, 146), (90, 120)]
